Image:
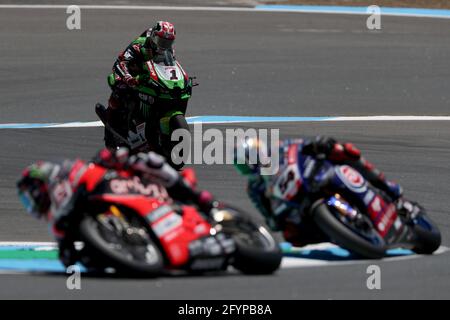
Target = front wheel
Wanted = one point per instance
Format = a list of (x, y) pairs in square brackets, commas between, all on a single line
[(120, 242), (428, 236), (176, 155), (344, 236), (257, 251)]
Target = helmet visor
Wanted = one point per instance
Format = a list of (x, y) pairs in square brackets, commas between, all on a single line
[(163, 43)]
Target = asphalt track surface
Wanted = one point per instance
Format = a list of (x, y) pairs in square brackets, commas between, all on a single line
[(263, 64)]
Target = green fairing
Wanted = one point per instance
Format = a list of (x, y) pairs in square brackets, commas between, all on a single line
[(139, 41), (147, 90), (145, 54), (169, 85)]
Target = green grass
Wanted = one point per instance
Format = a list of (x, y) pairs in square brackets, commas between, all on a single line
[(28, 254)]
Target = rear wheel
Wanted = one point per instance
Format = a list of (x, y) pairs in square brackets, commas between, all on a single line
[(257, 251), (122, 243), (345, 237)]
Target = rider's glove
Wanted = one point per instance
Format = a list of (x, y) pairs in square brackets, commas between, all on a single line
[(344, 152), (116, 159), (130, 81)]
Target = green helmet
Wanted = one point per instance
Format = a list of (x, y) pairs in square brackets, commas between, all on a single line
[(249, 155), (33, 188)]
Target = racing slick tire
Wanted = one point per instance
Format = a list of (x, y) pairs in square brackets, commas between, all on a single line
[(343, 235), (105, 254), (257, 251), (428, 236)]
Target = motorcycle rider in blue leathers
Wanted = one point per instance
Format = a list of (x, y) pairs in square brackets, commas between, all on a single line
[(299, 228)]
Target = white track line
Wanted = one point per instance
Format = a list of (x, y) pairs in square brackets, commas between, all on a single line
[(223, 120), (391, 118), (136, 7), (219, 9)]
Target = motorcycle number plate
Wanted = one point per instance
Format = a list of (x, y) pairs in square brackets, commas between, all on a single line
[(170, 73)]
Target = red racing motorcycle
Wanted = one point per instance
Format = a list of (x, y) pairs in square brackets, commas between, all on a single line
[(125, 224)]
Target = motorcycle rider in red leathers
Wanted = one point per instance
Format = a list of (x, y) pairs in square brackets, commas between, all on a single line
[(51, 190)]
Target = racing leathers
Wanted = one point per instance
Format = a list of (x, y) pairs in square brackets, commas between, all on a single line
[(284, 212), (65, 189), (123, 100)]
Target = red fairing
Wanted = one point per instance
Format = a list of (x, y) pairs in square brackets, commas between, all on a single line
[(141, 204), (92, 176), (189, 176), (177, 232), (382, 214), (174, 230), (76, 172), (292, 154)]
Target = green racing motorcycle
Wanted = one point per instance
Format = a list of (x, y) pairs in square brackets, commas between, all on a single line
[(163, 92)]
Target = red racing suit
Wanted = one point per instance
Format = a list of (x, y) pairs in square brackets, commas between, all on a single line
[(65, 188)]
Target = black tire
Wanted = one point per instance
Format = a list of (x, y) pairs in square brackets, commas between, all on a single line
[(428, 239), (257, 251), (342, 235), (100, 251), (251, 260)]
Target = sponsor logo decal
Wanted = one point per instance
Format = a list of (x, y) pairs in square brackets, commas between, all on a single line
[(135, 186), (352, 179)]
